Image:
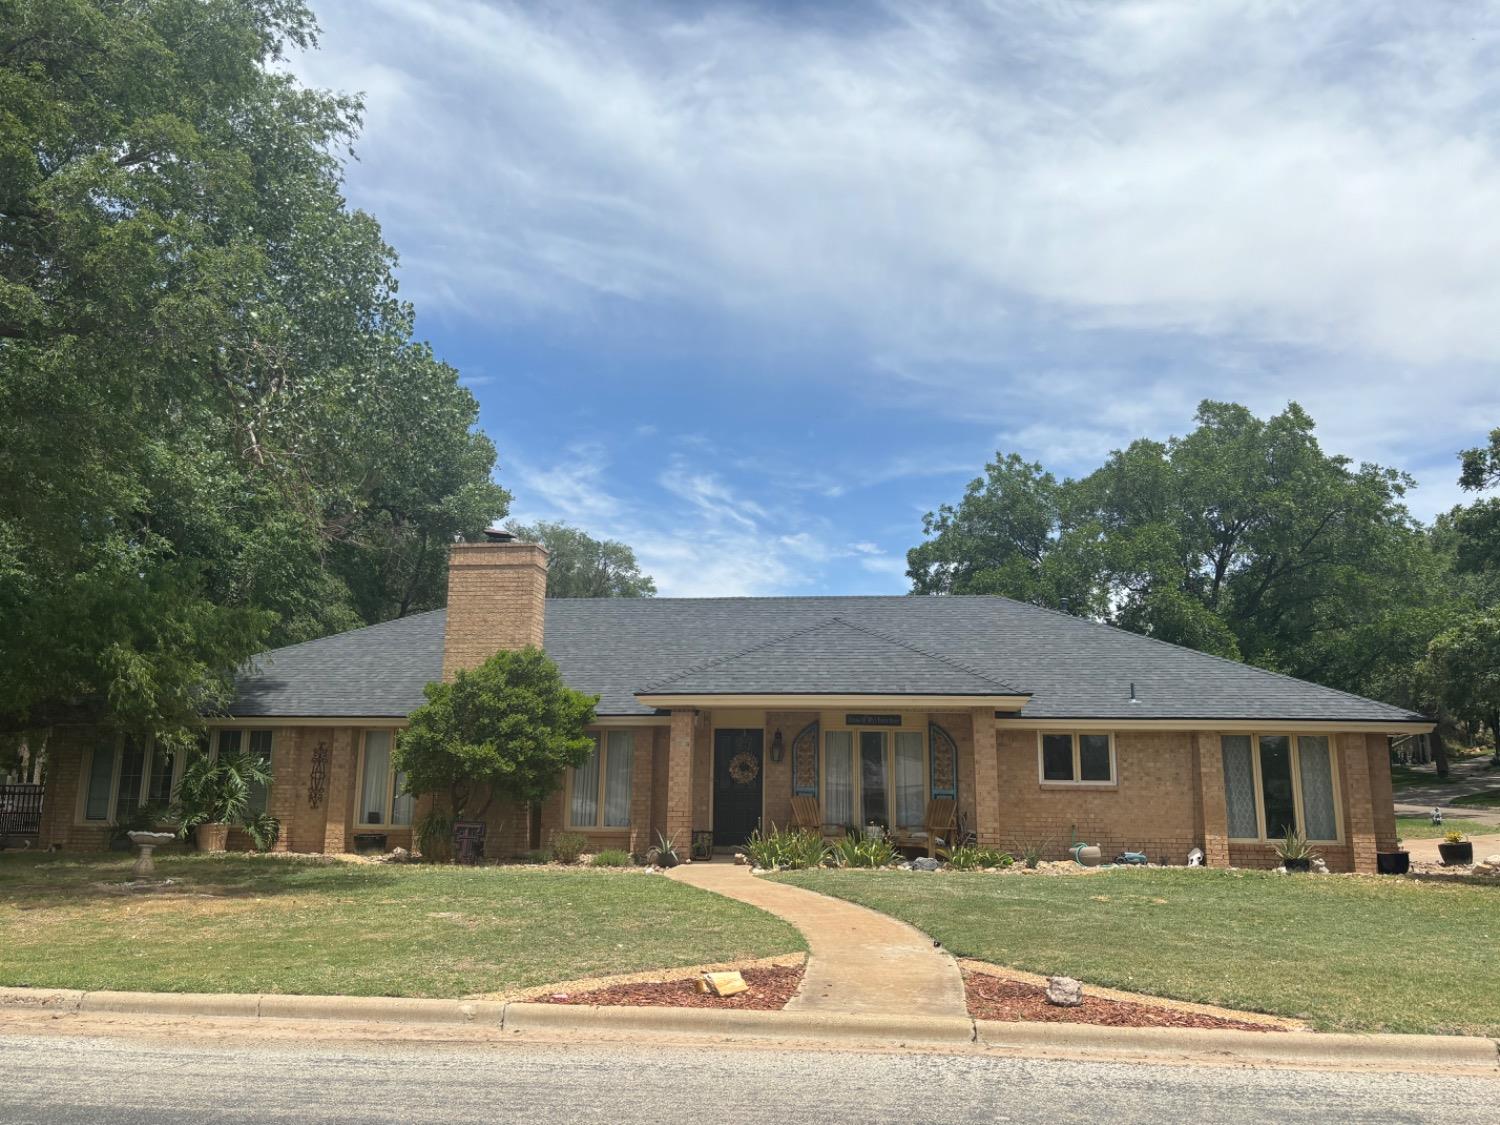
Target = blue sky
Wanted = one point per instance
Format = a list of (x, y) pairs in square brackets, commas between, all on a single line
[(753, 287)]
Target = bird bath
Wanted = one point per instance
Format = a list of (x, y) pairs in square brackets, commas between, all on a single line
[(148, 842)]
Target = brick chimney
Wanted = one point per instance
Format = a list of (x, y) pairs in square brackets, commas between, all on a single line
[(497, 599)]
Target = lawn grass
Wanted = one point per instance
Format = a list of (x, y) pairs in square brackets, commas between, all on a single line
[(1489, 799), (1422, 828), (1343, 953), (276, 924)]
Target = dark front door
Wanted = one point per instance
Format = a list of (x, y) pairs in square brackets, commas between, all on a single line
[(737, 785)]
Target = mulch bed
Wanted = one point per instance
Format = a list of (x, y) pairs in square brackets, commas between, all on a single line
[(770, 989), (994, 998)]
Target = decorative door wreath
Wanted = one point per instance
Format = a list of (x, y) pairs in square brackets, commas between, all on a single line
[(743, 768)]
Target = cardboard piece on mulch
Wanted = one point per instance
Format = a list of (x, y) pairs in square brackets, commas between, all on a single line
[(770, 988), (1011, 1001)]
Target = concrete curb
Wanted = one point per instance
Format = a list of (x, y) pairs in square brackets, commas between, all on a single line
[(1447, 1052), (1425, 1051)]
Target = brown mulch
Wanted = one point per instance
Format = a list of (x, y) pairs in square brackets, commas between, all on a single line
[(770, 989), (992, 998)]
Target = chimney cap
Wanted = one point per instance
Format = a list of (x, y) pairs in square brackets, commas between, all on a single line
[(499, 535)]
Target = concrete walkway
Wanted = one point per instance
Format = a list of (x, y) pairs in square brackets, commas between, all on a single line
[(861, 962)]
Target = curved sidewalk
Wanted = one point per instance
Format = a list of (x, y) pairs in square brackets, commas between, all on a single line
[(860, 962)]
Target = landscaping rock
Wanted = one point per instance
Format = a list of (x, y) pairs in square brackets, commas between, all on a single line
[(925, 864), (1319, 867), (400, 855), (741, 859), (1065, 992)]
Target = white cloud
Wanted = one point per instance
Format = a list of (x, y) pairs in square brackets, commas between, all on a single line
[(1078, 218)]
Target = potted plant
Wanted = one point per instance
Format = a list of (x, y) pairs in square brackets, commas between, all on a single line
[(1455, 849), (215, 793), (1295, 852), (1396, 862)]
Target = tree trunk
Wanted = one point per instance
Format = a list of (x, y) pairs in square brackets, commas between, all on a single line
[(1439, 747), (1495, 734)]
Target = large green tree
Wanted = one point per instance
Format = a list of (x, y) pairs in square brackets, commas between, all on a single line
[(1242, 538), (580, 566), (216, 430)]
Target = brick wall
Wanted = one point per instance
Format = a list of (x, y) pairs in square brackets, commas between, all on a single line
[(1151, 809), (496, 600), (777, 808), (65, 754)]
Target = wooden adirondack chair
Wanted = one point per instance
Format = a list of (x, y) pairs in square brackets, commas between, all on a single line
[(936, 833), (807, 814)]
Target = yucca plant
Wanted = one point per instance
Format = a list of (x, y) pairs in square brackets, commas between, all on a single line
[(787, 848), (1295, 852)]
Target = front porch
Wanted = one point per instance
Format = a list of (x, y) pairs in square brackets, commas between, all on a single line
[(727, 771)]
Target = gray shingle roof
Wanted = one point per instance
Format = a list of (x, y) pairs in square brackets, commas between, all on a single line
[(832, 657), (616, 647)]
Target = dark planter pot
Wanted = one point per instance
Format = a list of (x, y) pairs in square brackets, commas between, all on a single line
[(1393, 863), (667, 859), (1297, 864), (1456, 855)]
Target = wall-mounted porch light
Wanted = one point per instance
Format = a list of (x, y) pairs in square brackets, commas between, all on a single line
[(777, 748)]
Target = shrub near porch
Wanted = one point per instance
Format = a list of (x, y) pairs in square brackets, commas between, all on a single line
[(294, 925), (1345, 953)]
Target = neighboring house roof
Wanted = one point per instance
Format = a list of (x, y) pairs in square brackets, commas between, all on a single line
[(619, 647)]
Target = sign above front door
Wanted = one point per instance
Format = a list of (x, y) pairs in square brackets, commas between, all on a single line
[(872, 720)]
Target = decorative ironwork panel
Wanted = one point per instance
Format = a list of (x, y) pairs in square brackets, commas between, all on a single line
[(944, 756), (317, 780), (805, 761)]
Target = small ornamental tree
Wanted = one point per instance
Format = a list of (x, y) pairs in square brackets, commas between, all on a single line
[(508, 729)]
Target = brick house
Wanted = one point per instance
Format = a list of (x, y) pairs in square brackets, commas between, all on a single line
[(715, 712)]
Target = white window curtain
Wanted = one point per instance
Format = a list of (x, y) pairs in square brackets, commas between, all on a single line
[(838, 778), (617, 778), (584, 810), (1317, 788), (377, 783), (1239, 787), (911, 787)]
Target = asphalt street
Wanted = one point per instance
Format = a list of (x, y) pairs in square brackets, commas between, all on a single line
[(50, 1080)]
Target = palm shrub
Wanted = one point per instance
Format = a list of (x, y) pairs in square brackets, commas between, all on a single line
[(857, 850), (787, 848), (216, 790), (264, 830)]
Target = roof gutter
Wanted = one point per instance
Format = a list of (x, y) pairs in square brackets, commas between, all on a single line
[(817, 700)]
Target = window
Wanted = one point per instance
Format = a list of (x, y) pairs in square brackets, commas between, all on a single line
[(381, 800), (124, 772), (1276, 783), (876, 776), (1076, 759), (599, 793)]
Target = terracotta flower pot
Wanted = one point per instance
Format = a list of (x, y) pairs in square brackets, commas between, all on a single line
[(211, 837)]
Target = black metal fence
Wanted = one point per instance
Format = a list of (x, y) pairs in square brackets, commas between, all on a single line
[(20, 810)]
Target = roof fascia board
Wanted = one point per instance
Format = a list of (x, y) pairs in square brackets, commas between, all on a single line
[(1233, 726)]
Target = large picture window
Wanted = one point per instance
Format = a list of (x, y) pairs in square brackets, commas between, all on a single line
[(599, 790), (1276, 783), (122, 773), (1076, 758), (879, 776), (381, 796)]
